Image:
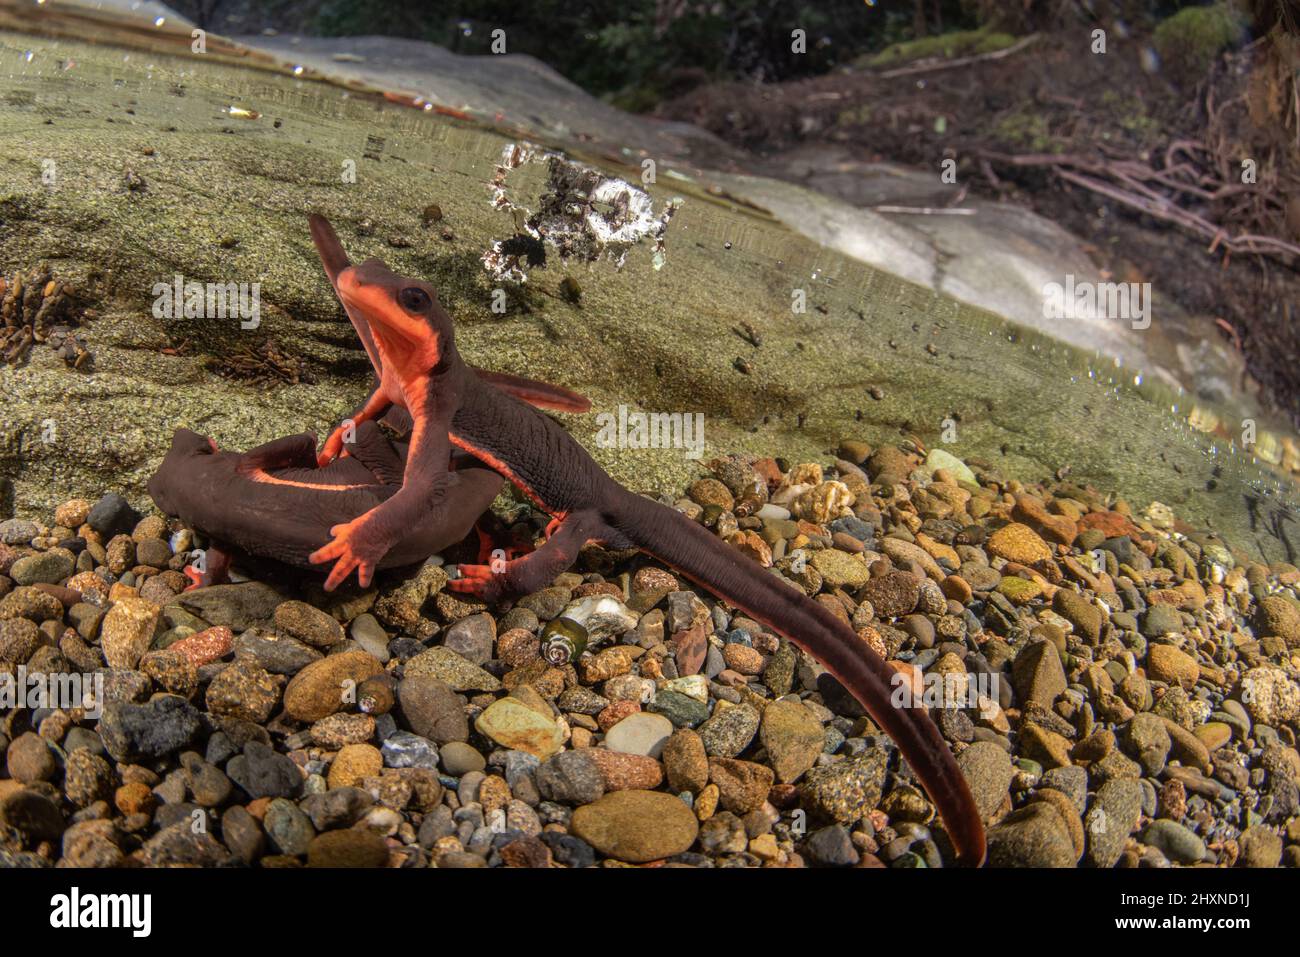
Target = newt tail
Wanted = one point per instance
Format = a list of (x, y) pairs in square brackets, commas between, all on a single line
[(540, 458), (696, 553)]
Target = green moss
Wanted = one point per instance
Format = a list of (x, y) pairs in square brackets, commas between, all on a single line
[(1130, 113), (859, 115), (636, 99), (1026, 129), (1189, 41), (947, 45), (1019, 590)]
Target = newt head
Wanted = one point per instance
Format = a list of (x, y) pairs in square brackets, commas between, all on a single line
[(403, 326), (170, 476)]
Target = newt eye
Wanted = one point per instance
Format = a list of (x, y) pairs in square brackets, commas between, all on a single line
[(413, 299)]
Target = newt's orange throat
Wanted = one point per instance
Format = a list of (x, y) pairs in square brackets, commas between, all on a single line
[(405, 341)]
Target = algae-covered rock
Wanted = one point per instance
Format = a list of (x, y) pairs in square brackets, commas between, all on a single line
[(1189, 40)]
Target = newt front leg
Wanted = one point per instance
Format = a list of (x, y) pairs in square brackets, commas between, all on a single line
[(426, 482), (374, 407)]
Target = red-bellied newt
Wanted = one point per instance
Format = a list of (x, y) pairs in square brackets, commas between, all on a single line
[(276, 502), (413, 339)]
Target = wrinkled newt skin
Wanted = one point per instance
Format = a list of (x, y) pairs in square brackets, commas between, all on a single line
[(274, 502), (412, 336)]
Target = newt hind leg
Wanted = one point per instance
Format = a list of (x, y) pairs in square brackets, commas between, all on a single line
[(537, 569), (498, 543), (212, 568)]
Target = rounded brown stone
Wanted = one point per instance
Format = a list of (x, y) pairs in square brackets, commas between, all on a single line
[(1069, 814), (72, 513), (339, 730), (622, 772), (742, 785), (892, 594), (742, 658), (709, 491), (30, 759), (636, 826), (308, 624), (686, 761), (134, 798), (517, 647), (244, 691), (1166, 663), (1018, 543), (353, 764), (326, 686), (956, 588)]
